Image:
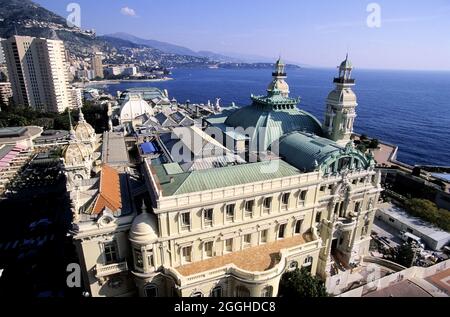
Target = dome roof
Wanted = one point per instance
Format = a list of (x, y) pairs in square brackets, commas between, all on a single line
[(144, 229), (76, 153), (279, 85), (84, 131), (135, 107), (270, 125), (344, 95)]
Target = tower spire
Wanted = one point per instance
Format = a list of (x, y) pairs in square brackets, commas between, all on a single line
[(81, 116), (72, 131), (341, 106)]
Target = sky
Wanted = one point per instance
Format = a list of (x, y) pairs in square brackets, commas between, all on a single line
[(386, 34)]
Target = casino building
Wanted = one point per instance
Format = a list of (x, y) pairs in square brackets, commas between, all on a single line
[(226, 208)]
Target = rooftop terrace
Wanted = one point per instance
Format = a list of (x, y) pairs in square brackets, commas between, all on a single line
[(254, 259)]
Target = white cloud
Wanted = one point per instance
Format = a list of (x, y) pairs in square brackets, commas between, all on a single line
[(128, 11)]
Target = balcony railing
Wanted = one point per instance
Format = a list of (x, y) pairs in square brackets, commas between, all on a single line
[(110, 269), (232, 269)]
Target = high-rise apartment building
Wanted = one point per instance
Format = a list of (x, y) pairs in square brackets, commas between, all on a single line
[(38, 72), (97, 65), (5, 93)]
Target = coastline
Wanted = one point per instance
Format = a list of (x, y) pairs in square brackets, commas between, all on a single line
[(120, 81)]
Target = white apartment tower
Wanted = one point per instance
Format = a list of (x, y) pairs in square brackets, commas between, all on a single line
[(38, 72), (97, 65)]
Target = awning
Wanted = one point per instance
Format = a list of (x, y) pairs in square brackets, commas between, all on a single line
[(148, 148)]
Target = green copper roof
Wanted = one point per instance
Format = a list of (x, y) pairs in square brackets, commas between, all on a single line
[(215, 178), (270, 125), (303, 150), (308, 152)]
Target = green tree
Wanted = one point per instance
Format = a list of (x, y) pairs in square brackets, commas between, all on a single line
[(373, 144), (300, 283), (361, 147), (15, 120), (428, 211), (404, 255)]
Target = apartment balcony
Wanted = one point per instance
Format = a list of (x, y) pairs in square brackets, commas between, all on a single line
[(106, 270), (253, 264), (345, 224)]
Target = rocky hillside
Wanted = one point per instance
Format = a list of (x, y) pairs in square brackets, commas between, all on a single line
[(24, 17)]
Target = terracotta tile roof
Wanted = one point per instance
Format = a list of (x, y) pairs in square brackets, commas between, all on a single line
[(255, 259), (109, 192)]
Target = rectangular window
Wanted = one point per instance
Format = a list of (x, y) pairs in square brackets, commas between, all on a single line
[(138, 258), (322, 188), (110, 252), (364, 231), (285, 201), (318, 216), (208, 217), (264, 236), (298, 226), (186, 254), (229, 245), (151, 263), (357, 206), (209, 249), (249, 208), (267, 204), (247, 240), (230, 212), (302, 197), (185, 221), (281, 231)]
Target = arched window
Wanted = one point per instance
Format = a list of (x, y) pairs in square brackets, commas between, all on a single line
[(217, 291), (138, 260), (197, 294), (293, 265), (151, 290), (308, 261), (242, 291), (267, 291)]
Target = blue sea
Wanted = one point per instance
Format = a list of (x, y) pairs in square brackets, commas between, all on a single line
[(407, 108)]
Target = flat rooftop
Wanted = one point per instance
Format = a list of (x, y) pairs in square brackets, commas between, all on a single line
[(254, 259), (114, 150), (441, 280), (413, 222), (405, 288), (14, 134)]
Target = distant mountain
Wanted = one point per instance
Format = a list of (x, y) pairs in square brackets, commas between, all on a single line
[(175, 49), (24, 17), (224, 57), (162, 46)]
